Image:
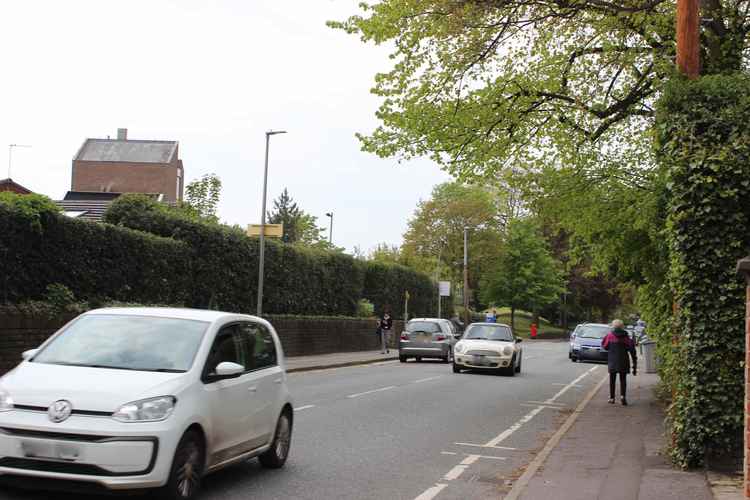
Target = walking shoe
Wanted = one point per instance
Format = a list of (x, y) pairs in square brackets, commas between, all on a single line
[(611, 401), (624, 401)]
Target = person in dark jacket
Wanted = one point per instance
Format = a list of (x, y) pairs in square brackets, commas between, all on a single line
[(384, 326), (619, 345)]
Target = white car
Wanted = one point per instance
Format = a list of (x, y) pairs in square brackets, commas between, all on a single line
[(136, 398), (488, 346)]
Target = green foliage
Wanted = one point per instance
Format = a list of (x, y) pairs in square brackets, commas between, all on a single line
[(386, 284), (526, 276), (39, 247), (299, 227), (60, 297), (365, 309), (202, 196), (703, 139)]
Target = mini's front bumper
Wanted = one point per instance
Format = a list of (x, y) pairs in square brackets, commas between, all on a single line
[(472, 361), (87, 449)]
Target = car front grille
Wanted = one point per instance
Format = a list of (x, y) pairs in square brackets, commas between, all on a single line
[(482, 353), (52, 435), (51, 466)]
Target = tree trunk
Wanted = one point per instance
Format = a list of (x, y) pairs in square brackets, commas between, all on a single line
[(513, 319)]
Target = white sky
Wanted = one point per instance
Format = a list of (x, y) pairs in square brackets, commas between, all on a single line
[(214, 75)]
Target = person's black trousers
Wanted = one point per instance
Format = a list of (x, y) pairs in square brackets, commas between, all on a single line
[(623, 383)]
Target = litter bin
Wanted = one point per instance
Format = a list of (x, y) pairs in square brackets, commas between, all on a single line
[(648, 348)]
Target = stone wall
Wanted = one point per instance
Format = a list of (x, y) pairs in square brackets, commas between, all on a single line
[(299, 336)]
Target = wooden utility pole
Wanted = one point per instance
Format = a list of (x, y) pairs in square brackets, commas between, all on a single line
[(688, 38)]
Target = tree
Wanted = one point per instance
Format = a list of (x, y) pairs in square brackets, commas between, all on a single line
[(526, 276), (202, 196), (485, 86), (436, 232), (299, 227)]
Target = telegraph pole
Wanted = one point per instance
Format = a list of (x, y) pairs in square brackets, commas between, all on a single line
[(688, 38), (466, 277)]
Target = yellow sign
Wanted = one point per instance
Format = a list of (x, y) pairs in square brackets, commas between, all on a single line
[(272, 230)]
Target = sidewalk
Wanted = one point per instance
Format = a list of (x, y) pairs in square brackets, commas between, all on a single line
[(339, 359), (613, 452)]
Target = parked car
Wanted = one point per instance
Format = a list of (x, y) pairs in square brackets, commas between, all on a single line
[(489, 346), (586, 345), (141, 398), (427, 338), (572, 340)]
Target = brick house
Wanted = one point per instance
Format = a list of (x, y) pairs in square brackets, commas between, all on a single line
[(123, 165), (9, 185)]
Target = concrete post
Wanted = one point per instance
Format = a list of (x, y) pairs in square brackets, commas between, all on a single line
[(743, 267)]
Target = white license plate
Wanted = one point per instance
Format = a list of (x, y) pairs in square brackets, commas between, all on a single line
[(478, 360), (56, 451), (425, 338)]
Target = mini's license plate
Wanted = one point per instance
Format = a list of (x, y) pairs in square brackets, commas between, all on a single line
[(56, 451), (478, 360)]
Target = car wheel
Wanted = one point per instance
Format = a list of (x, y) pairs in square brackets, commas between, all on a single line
[(187, 469), (520, 360), (456, 369), (511, 370), (402, 359), (573, 359), (448, 357), (419, 359), (275, 457)]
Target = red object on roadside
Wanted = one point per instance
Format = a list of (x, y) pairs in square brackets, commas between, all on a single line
[(533, 330)]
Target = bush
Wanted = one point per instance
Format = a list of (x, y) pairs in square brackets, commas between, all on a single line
[(39, 247), (386, 284), (703, 131), (365, 309)]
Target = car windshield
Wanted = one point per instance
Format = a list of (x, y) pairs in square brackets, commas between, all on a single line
[(422, 326), (592, 332), (489, 332), (126, 343)]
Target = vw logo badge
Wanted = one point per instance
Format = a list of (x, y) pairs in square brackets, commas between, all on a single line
[(59, 411)]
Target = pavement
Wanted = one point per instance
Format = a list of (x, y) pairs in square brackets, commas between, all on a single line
[(381, 429), (615, 452)]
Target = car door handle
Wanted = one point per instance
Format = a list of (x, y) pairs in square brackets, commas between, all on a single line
[(278, 381), (253, 389)]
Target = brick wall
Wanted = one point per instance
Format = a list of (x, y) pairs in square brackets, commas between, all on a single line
[(128, 177), (299, 336)]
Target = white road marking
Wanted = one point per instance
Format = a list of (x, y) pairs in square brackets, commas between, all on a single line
[(426, 379), (449, 453), (470, 459), (545, 403), (563, 385), (513, 428), (431, 493), (552, 407), (380, 363), (304, 407), (485, 446), (455, 472), (372, 391)]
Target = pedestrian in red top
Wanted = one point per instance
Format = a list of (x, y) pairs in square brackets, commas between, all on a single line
[(618, 345)]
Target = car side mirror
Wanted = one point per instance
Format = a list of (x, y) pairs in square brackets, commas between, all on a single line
[(227, 369), (458, 335), (29, 354), (518, 340)]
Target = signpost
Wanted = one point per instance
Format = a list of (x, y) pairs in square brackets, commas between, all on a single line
[(272, 230), (444, 290)]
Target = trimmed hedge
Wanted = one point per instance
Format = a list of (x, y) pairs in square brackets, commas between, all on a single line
[(40, 247), (385, 285), (703, 132)]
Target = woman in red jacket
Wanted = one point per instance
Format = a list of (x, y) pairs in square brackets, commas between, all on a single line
[(618, 345)]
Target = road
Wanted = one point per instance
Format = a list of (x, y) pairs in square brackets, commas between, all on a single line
[(410, 431)]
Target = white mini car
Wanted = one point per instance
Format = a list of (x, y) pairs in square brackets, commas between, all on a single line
[(488, 346), (133, 398)]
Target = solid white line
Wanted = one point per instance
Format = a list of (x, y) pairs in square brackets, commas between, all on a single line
[(545, 403), (455, 472), (370, 392), (513, 428), (426, 379), (520, 485), (552, 407), (431, 493), (304, 407), (485, 446)]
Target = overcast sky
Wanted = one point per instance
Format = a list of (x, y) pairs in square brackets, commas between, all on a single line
[(214, 75)]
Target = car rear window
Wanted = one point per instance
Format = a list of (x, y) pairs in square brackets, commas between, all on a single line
[(592, 332), (423, 326)]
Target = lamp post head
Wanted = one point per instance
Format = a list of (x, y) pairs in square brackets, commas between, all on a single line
[(274, 132), (329, 214)]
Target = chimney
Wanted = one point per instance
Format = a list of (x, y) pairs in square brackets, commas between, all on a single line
[(122, 134)]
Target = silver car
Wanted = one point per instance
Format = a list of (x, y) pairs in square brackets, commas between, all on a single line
[(427, 338)]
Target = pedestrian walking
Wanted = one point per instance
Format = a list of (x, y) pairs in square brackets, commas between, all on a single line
[(491, 316), (384, 326), (619, 345)]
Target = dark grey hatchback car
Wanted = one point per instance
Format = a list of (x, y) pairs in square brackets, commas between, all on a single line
[(427, 338)]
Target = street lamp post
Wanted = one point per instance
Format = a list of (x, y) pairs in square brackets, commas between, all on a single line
[(330, 228), (261, 260), (466, 276)]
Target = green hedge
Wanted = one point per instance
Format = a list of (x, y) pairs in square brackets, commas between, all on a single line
[(40, 247), (385, 285), (703, 131)]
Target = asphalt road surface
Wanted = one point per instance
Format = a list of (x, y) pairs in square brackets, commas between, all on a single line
[(409, 431)]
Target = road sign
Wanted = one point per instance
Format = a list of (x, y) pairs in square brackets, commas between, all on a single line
[(445, 288), (272, 230)]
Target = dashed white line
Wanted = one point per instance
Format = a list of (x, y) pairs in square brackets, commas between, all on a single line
[(372, 391), (485, 446), (431, 493), (304, 407), (545, 403), (426, 379), (448, 453)]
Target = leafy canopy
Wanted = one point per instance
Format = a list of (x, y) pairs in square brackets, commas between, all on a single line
[(299, 227), (202, 196)]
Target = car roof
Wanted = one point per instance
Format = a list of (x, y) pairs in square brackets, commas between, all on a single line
[(595, 324), (489, 323), (428, 319), (168, 312)]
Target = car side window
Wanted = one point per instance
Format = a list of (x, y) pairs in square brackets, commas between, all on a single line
[(258, 344), (225, 348)]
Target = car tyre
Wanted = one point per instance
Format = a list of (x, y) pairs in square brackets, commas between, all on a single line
[(187, 469), (456, 369), (402, 359), (520, 360), (275, 457), (511, 370), (448, 357)]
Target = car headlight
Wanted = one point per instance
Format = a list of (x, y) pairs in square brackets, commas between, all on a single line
[(146, 410), (507, 350), (6, 402), (460, 348)]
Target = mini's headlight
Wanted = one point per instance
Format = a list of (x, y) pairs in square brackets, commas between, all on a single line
[(146, 410), (507, 350), (6, 402), (460, 348)]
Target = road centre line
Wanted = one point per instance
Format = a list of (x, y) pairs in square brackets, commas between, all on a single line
[(480, 456), (485, 446), (543, 406), (426, 379), (372, 391), (546, 403), (304, 407), (459, 469), (431, 493)]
